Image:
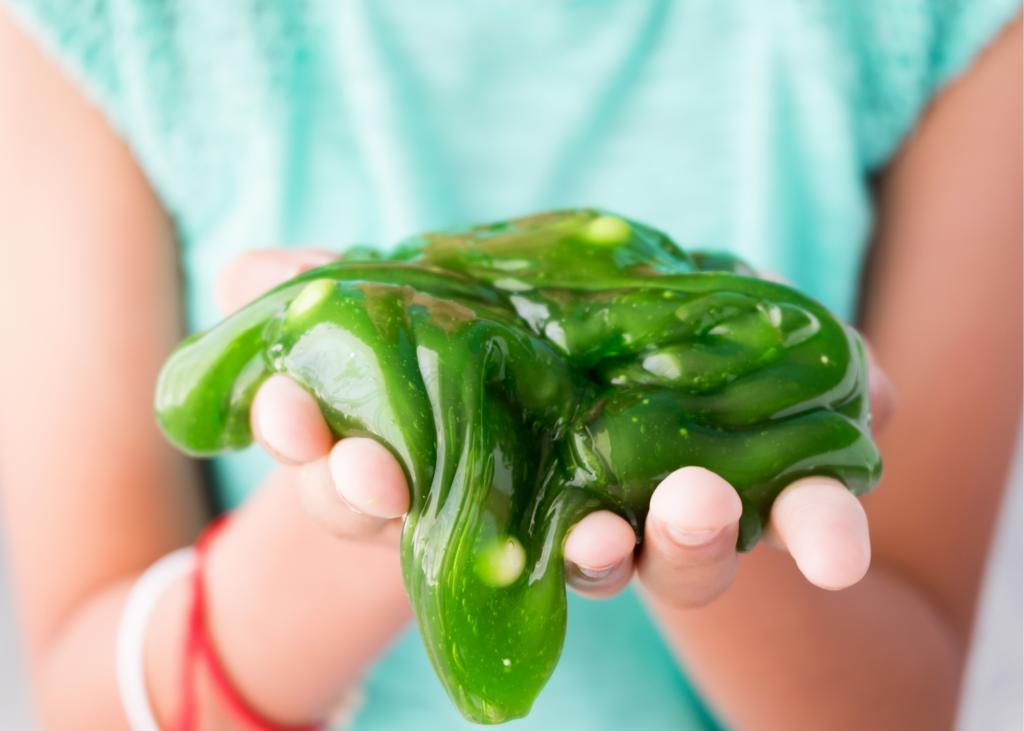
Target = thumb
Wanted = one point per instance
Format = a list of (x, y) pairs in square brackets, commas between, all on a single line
[(252, 273)]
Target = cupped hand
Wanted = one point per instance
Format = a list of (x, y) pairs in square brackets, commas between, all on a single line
[(688, 557), (356, 488)]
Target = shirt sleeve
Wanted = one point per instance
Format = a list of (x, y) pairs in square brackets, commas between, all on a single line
[(906, 52), (80, 37), (181, 81)]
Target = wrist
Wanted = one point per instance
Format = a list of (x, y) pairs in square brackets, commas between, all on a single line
[(322, 608)]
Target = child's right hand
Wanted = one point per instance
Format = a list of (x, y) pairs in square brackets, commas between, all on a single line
[(355, 488)]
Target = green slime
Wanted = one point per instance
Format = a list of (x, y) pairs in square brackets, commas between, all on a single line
[(525, 374)]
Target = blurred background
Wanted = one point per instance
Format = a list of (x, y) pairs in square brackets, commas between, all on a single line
[(993, 693)]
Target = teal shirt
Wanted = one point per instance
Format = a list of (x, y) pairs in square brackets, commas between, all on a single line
[(747, 125)]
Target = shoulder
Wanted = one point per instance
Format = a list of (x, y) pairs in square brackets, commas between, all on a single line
[(175, 79), (905, 52)]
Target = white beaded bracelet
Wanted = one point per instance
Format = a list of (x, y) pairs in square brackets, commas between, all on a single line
[(131, 634)]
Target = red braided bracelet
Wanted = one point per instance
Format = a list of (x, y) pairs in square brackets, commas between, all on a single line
[(199, 648)]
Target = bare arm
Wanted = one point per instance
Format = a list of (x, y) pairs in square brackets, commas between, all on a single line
[(89, 308), (944, 312)]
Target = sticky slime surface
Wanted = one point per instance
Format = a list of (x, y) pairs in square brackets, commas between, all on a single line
[(527, 373)]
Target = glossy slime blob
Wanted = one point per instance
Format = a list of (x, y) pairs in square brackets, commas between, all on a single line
[(525, 374)]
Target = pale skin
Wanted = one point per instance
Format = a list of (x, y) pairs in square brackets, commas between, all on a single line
[(92, 494)]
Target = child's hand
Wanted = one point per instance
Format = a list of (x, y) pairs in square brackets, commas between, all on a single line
[(355, 488), (688, 558)]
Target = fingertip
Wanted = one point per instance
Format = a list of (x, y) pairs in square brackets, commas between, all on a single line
[(695, 502), (369, 478), (288, 423), (599, 541), (825, 529), (770, 276), (252, 273), (321, 501), (883, 401), (881, 392), (599, 555)]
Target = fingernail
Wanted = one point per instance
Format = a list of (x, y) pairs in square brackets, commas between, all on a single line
[(598, 573), (692, 537), (345, 500)]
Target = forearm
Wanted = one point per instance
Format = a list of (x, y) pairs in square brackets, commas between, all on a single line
[(777, 653), (296, 616)]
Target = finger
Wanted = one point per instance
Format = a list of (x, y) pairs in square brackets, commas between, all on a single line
[(287, 422), (599, 555), (688, 556), (770, 276), (825, 530), (324, 504), (252, 273), (369, 478), (881, 393)]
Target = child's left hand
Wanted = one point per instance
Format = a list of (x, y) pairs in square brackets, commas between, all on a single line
[(688, 557)]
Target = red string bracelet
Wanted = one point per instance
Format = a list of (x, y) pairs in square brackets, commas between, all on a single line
[(199, 649)]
